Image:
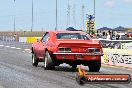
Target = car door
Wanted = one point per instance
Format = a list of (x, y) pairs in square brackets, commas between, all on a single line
[(42, 45)]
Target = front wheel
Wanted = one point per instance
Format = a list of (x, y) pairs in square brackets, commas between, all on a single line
[(48, 62), (34, 60)]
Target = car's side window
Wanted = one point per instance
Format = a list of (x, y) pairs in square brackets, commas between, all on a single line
[(45, 37)]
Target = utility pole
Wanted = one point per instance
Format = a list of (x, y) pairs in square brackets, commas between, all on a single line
[(56, 15), (14, 18), (68, 15), (83, 17), (42, 29), (74, 18), (14, 24), (94, 7), (94, 13), (32, 16)]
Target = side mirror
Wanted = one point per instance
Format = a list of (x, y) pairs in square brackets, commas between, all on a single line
[(38, 40)]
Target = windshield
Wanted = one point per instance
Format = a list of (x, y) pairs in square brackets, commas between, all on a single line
[(73, 36), (129, 32)]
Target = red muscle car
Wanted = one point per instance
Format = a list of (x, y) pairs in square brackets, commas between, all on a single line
[(71, 47), (129, 34)]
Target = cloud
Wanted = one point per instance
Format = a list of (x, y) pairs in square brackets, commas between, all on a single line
[(128, 1), (110, 3)]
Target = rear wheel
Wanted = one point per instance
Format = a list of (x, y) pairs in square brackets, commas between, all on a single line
[(57, 63), (74, 66), (34, 60), (48, 62), (94, 66)]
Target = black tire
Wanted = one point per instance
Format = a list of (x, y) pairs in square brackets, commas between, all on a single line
[(56, 63), (94, 66), (34, 60), (74, 66), (48, 62)]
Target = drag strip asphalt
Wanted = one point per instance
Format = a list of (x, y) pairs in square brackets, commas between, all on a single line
[(16, 71)]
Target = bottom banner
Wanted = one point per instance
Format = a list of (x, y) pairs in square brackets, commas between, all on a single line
[(82, 78)]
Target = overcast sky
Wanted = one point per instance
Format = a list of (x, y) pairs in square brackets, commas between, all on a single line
[(109, 13)]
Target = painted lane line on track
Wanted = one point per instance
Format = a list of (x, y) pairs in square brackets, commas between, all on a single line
[(18, 48), (1, 45), (7, 46), (13, 47), (114, 66), (23, 51), (26, 49)]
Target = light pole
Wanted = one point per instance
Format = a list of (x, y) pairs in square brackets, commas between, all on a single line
[(14, 24), (14, 18), (32, 17), (83, 17), (94, 8), (94, 13), (56, 16)]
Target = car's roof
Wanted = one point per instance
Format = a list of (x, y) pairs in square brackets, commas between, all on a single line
[(65, 31)]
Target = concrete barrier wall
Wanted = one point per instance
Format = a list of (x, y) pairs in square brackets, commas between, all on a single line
[(126, 45), (23, 39), (8, 38), (28, 39), (117, 57), (23, 33), (32, 39)]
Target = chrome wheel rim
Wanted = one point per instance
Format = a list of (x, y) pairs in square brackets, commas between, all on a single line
[(33, 59), (45, 63)]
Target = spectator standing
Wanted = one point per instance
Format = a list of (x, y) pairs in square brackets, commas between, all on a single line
[(117, 36), (108, 36), (104, 36)]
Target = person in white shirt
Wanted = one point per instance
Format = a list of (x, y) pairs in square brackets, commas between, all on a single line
[(108, 36)]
